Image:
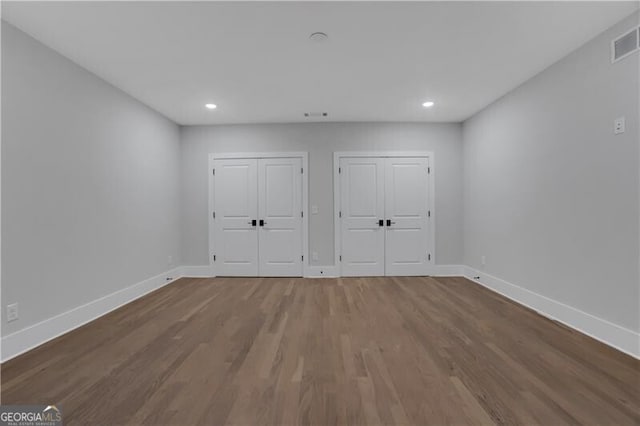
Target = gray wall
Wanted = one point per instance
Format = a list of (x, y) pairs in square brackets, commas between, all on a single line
[(321, 140), (551, 195), (90, 185), (93, 183)]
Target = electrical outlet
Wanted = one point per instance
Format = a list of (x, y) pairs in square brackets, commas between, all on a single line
[(170, 260), (314, 255), (618, 125), (483, 260), (12, 312), (314, 209)]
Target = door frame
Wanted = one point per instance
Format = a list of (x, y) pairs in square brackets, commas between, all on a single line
[(304, 156), (337, 236)]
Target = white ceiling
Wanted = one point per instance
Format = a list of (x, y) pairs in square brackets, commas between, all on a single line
[(255, 61)]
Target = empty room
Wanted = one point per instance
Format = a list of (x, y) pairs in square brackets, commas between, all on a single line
[(318, 213)]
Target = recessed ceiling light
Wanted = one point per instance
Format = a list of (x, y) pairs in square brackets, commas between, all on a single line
[(428, 104), (211, 106), (318, 36)]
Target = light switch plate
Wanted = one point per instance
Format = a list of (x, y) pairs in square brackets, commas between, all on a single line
[(618, 126), (314, 209)]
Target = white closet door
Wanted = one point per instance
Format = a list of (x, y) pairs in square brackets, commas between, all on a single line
[(362, 207), (406, 207), (236, 206), (280, 215)]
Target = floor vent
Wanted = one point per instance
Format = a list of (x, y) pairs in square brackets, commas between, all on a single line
[(625, 45)]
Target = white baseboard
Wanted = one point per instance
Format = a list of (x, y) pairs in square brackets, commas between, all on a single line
[(332, 272), (329, 271), (611, 334), (448, 271), (35, 335), (310, 272), (618, 337), (197, 272)]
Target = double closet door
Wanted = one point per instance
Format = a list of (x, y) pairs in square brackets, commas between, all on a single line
[(384, 216), (258, 217)]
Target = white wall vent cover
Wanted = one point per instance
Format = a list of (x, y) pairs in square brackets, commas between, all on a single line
[(625, 45)]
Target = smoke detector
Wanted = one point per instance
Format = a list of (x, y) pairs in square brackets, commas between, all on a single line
[(318, 37)]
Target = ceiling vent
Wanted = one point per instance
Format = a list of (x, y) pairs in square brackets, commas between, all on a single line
[(625, 45), (315, 114)]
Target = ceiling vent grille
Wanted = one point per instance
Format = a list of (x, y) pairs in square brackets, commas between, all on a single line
[(625, 45)]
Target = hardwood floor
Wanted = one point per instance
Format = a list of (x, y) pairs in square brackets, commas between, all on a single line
[(334, 351)]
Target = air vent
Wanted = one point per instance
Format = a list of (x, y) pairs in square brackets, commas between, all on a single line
[(625, 45), (315, 114)]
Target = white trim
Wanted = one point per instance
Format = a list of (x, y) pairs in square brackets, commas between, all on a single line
[(305, 208), (337, 229), (329, 271), (315, 271), (304, 156), (613, 335), (336, 210), (448, 271), (382, 154), (191, 271), (246, 155), (35, 335), (620, 338)]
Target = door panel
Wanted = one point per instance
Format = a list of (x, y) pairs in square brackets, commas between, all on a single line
[(362, 206), (406, 207), (280, 207), (236, 206)]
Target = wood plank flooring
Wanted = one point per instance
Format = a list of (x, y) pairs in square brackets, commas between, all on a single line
[(403, 351)]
